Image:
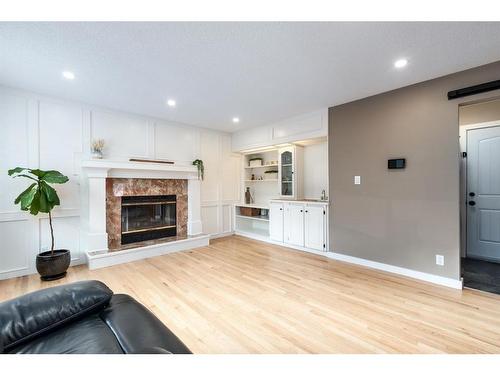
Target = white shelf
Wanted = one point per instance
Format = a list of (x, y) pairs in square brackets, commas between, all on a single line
[(273, 180), (263, 166), (260, 218), (253, 205), (254, 233)]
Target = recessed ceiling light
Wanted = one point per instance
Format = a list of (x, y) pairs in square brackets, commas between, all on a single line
[(401, 63), (68, 75), (171, 103), (236, 120)]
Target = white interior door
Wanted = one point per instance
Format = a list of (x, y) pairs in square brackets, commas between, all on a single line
[(314, 223), (276, 221), (483, 193), (294, 224)]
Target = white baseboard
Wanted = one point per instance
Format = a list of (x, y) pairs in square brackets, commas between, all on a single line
[(220, 235), (440, 280), (106, 259), (434, 279)]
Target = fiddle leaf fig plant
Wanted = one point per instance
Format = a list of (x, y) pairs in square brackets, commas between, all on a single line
[(39, 196)]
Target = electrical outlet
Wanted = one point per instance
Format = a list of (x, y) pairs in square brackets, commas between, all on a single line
[(440, 260), (357, 180)]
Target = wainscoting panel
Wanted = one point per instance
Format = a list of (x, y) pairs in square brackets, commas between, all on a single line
[(176, 142), (125, 136), (16, 253), (210, 219), (13, 147), (61, 146)]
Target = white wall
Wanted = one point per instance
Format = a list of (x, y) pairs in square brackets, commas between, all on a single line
[(46, 133), (315, 170)]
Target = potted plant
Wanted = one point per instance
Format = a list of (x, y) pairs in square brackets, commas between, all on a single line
[(41, 197), (201, 168)]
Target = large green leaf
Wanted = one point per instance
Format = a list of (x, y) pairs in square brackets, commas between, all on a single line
[(50, 194), (45, 205), (54, 177), (35, 203), (17, 170), (27, 191)]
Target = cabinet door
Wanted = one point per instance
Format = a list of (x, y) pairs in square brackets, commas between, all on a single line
[(286, 172), (276, 221), (314, 223), (294, 224)]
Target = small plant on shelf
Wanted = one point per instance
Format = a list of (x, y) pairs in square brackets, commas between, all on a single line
[(97, 147)]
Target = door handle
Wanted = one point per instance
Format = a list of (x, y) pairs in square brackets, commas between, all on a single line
[(472, 203)]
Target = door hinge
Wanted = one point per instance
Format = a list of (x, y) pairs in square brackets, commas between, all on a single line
[(324, 246), (324, 212), (464, 154)]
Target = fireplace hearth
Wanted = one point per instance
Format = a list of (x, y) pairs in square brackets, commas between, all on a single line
[(145, 218)]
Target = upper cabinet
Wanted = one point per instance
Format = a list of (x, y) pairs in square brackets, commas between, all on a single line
[(306, 126), (290, 174)]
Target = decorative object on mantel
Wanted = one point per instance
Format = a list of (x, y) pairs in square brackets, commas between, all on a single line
[(201, 168), (97, 147), (255, 162), (41, 197), (248, 196), (159, 161)]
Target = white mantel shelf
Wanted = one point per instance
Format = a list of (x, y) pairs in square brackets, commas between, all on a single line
[(130, 169)]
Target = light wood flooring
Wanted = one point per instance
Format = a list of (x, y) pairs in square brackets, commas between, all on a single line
[(243, 296)]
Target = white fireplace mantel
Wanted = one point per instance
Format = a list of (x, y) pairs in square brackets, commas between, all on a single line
[(128, 169), (93, 181)]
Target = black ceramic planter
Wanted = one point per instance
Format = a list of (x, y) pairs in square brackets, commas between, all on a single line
[(53, 266)]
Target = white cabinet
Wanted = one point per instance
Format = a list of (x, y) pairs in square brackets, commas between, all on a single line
[(315, 227), (276, 221), (294, 224), (300, 224), (290, 162)]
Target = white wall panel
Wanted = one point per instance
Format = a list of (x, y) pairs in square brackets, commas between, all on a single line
[(227, 218), (13, 147), (210, 219), (60, 129), (315, 170), (15, 251), (125, 136), (210, 154), (176, 142)]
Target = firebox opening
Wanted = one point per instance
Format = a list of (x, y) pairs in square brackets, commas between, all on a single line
[(148, 218)]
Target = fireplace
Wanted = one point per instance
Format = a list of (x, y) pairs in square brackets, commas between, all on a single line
[(149, 217)]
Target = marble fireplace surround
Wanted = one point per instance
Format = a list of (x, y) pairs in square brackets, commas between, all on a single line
[(116, 188), (95, 177)]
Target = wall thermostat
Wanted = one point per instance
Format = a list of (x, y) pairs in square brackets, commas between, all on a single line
[(396, 163)]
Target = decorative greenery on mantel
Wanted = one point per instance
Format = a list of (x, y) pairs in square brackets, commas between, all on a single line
[(201, 168)]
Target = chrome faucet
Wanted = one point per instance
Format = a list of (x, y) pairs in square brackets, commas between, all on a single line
[(323, 195)]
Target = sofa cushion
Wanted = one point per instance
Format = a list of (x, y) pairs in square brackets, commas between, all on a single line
[(136, 328), (89, 335), (25, 318)]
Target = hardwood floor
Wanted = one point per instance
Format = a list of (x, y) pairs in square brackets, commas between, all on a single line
[(243, 296)]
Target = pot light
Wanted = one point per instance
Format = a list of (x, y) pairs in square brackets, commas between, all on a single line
[(236, 120), (401, 63), (68, 75), (171, 103)]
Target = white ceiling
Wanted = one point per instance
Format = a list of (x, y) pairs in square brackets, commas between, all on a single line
[(260, 72)]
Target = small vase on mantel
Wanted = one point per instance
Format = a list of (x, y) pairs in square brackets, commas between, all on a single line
[(96, 148)]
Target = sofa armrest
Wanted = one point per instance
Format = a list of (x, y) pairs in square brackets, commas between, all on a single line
[(136, 328), (31, 315)]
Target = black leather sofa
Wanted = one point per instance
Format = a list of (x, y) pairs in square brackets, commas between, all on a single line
[(82, 317)]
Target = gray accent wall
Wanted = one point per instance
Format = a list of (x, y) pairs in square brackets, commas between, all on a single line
[(401, 217)]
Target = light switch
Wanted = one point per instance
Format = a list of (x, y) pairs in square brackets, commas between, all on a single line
[(357, 180)]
